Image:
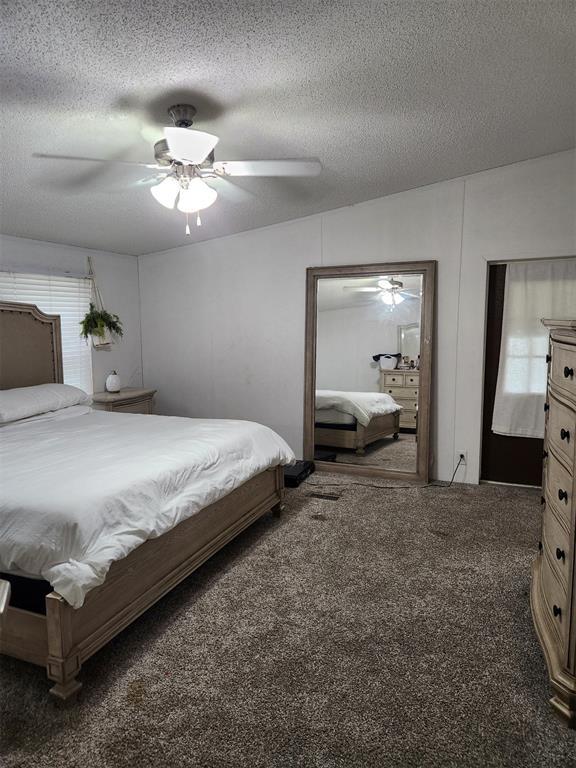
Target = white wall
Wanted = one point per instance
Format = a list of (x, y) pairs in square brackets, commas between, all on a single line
[(223, 320), (117, 277), (347, 337)]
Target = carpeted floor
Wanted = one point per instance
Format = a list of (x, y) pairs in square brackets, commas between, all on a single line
[(386, 454), (388, 627)]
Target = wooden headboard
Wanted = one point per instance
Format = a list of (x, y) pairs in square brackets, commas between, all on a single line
[(30, 346)]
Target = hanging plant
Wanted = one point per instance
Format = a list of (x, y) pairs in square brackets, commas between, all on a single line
[(98, 324)]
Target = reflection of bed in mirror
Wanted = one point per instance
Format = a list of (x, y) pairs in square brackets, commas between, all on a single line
[(354, 419)]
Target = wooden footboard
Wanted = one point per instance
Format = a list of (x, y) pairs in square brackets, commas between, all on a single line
[(357, 439), (64, 638)]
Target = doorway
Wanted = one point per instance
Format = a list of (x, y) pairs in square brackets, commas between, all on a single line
[(505, 459)]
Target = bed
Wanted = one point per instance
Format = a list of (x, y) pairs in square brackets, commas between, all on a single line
[(354, 419), (155, 502)]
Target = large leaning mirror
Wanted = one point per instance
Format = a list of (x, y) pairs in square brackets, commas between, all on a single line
[(368, 368)]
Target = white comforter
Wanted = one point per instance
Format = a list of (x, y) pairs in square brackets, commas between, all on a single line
[(79, 493), (362, 405)]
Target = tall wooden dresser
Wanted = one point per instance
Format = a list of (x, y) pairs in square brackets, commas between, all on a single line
[(403, 386), (553, 592)]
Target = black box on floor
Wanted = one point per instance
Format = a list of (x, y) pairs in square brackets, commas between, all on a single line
[(297, 473)]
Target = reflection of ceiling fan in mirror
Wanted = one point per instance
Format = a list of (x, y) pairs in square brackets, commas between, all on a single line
[(185, 162), (390, 291)]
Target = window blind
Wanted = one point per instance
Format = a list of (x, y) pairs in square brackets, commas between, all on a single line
[(68, 297)]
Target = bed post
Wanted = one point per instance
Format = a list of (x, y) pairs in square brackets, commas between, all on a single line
[(5, 589), (63, 663), (278, 508)]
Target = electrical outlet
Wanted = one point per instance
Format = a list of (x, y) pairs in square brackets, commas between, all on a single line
[(462, 457)]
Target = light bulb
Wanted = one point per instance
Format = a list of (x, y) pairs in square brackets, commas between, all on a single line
[(198, 196), (391, 298), (166, 192)]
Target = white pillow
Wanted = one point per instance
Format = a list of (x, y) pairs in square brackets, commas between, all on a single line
[(23, 402)]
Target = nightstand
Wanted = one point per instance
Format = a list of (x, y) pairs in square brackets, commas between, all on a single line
[(129, 400)]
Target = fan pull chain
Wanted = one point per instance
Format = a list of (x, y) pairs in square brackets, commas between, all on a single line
[(198, 219), (187, 225)]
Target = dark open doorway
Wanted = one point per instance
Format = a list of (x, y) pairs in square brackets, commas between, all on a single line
[(505, 459)]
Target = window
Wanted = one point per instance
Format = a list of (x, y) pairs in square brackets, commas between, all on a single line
[(534, 290), (68, 297)]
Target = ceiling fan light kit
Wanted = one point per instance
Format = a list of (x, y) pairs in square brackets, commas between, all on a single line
[(196, 196), (186, 157), (166, 192)]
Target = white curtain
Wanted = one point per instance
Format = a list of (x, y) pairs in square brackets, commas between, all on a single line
[(68, 297), (534, 290)]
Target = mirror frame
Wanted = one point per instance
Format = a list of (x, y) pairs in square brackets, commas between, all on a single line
[(428, 271)]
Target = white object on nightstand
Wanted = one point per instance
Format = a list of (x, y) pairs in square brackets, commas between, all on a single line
[(113, 383)]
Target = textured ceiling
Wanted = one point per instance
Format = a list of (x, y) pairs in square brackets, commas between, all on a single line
[(388, 95)]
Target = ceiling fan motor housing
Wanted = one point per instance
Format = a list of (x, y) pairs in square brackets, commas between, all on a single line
[(182, 115)]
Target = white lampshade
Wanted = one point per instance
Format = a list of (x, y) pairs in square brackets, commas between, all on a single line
[(166, 192), (197, 197), (188, 145)]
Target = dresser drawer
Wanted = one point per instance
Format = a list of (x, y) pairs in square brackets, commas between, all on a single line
[(563, 368), (402, 393), (555, 601), (408, 419), (412, 379), (561, 429), (557, 543), (394, 379), (407, 405), (559, 484)]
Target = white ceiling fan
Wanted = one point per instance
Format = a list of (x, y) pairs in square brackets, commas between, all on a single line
[(185, 161), (390, 291)]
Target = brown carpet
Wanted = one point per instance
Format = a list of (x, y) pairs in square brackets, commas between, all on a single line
[(387, 453), (389, 627)]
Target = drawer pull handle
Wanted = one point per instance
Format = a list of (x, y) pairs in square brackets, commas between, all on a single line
[(557, 611), (560, 555), (568, 372), (563, 495), (565, 435)]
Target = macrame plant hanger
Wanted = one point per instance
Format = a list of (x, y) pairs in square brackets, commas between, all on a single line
[(106, 341)]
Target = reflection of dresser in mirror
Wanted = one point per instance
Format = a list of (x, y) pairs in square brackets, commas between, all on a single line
[(403, 386)]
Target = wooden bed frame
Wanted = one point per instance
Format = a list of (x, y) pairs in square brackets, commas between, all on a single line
[(63, 638), (359, 437)]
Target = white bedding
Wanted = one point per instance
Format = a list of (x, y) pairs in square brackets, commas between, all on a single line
[(362, 405), (78, 493)]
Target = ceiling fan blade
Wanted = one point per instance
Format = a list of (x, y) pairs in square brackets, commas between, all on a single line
[(189, 146), (365, 289), (229, 190), (43, 156), (268, 167)]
